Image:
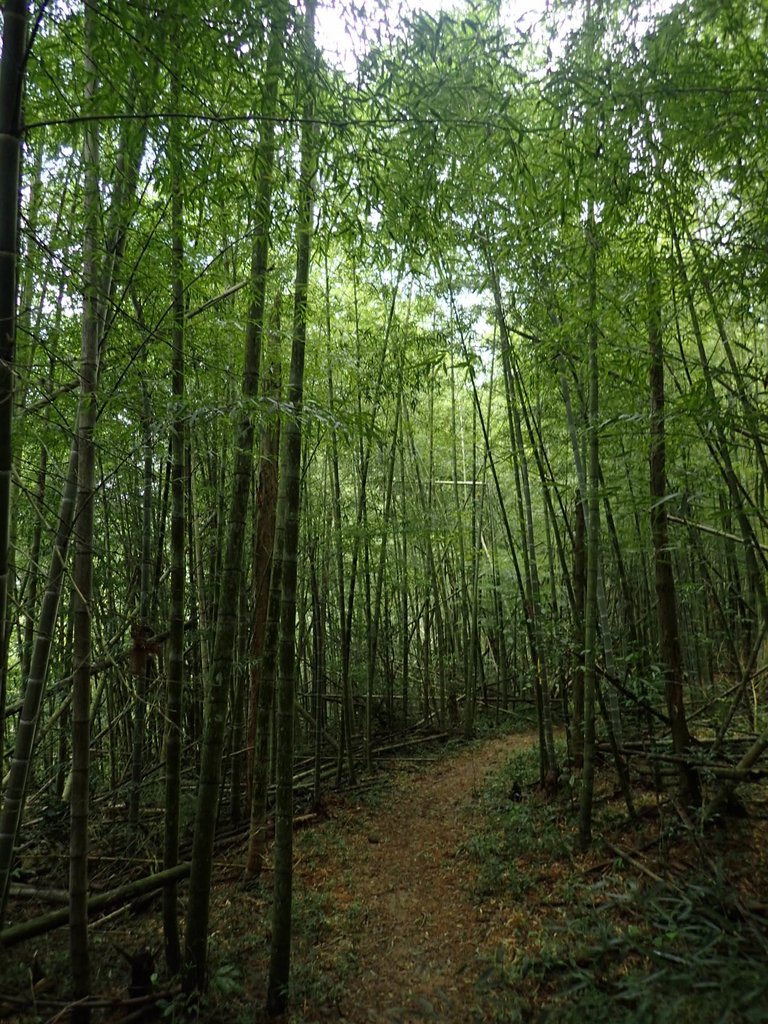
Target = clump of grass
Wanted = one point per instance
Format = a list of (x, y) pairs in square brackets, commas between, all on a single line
[(522, 831), (321, 969), (607, 947)]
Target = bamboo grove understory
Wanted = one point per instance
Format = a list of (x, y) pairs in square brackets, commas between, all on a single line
[(339, 403)]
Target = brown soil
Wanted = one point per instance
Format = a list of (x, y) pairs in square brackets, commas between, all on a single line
[(420, 937)]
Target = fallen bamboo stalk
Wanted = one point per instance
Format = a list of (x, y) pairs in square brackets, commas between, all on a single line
[(101, 901), (17, 889), (744, 766), (415, 758), (720, 771), (409, 743), (631, 859)]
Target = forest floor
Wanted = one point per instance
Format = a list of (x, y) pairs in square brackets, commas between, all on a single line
[(448, 889), (405, 873)]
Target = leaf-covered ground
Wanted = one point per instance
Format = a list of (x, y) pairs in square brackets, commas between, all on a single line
[(455, 895), (450, 891), (398, 894)]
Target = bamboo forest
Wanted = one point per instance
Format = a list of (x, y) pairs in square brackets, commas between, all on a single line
[(384, 511)]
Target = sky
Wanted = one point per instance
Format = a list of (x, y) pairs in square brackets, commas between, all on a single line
[(334, 21)]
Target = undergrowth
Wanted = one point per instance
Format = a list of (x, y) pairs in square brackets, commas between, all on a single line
[(584, 939)]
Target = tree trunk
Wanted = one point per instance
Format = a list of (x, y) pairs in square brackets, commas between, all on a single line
[(318, 669), (365, 445), (175, 687), (666, 602), (425, 501), (375, 621), (753, 551), (82, 577), (260, 702), (530, 591), (131, 148), (405, 639), (142, 664), (593, 545), (579, 593), (461, 634), (267, 527), (530, 633), (346, 712), (12, 64), (196, 934), (290, 495)]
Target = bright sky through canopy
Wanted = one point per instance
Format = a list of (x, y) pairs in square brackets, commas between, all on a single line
[(341, 25)]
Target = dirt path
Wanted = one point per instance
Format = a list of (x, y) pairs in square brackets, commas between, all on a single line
[(407, 873)]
